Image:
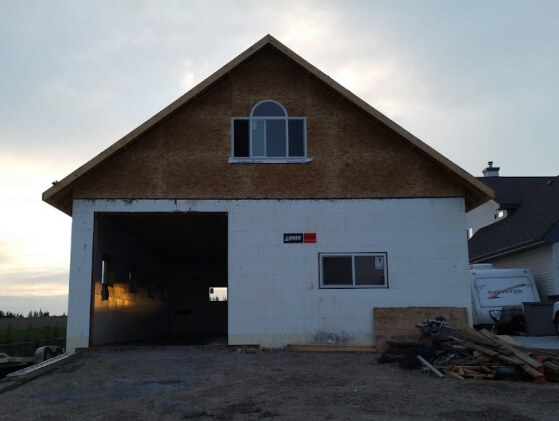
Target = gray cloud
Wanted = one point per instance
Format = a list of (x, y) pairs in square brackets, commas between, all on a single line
[(83, 74)]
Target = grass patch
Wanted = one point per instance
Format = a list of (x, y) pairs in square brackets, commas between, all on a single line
[(23, 342)]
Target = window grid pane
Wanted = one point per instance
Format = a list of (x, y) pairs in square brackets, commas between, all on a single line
[(241, 138), (337, 270), (258, 144), (276, 138), (366, 273), (296, 137)]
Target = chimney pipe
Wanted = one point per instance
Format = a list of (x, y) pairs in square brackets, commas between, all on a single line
[(490, 171)]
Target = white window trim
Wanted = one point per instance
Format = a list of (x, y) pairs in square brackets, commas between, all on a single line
[(263, 159), (353, 255)]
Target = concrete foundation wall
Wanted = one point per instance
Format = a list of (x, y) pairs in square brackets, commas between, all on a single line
[(274, 291)]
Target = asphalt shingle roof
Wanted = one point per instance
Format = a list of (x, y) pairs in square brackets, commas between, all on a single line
[(532, 204)]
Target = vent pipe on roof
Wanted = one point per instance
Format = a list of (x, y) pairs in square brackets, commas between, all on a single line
[(491, 171)]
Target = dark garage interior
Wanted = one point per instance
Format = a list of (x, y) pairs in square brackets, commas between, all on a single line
[(159, 278)]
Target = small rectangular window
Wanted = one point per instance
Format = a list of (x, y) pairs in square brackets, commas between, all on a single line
[(218, 293), (353, 270)]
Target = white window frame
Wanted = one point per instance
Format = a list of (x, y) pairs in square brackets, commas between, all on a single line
[(264, 159), (353, 285)]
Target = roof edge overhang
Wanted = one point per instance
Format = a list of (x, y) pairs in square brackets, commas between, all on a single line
[(475, 192), (507, 251)]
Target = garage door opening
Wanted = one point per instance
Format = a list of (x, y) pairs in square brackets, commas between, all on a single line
[(159, 278)]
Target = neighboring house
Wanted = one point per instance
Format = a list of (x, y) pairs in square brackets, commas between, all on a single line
[(271, 181), (522, 228)]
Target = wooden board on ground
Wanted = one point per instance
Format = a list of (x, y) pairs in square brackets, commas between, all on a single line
[(330, 348)]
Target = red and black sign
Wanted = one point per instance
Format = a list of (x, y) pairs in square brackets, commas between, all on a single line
[(296, 238), (309, 237)]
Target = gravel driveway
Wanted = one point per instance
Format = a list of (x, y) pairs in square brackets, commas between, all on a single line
[(220, 383)]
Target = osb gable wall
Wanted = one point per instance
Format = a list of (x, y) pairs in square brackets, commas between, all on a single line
[(186, 156)]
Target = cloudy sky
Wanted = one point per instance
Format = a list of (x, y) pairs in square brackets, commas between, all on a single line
[(476, 80)]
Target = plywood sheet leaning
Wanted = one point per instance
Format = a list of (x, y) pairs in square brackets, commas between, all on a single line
[(398, 323)]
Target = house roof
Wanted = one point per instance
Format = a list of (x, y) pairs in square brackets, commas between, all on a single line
[(60, 194), (532, 204)]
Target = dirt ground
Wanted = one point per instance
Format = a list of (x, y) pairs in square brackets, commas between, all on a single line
[(220, 383)]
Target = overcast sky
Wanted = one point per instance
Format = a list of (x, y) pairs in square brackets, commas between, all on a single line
[(476, 80)]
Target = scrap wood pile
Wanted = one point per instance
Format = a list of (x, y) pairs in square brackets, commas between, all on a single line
[(468, 353), (483, 355)]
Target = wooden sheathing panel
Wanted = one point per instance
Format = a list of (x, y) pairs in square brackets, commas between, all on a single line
[(398, 323), (186, 155)]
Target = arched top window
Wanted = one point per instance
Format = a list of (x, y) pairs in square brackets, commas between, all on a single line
[(268, 108), (268, 135)]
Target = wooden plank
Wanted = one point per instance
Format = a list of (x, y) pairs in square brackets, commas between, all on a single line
[(519, 354), (519, 363), (474, 335), (453, 374), (486, 369), (488, 335), (551, 366), (479, 348), (330, 348), (511, 360), (467, 367), (531, 371)]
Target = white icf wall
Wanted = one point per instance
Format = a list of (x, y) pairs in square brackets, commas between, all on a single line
[(274, 295)]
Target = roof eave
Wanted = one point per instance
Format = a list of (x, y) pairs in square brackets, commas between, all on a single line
[(507, 251)]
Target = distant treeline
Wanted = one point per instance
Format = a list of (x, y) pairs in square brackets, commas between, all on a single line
[(10, 315)]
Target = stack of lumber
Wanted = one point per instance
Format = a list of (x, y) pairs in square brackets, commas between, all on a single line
[(483, 355)]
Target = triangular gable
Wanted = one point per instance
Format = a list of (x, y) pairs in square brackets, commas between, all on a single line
[(60, 194)]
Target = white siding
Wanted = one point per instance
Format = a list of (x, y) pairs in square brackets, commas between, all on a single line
[(540, 262), (274, 295)]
